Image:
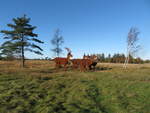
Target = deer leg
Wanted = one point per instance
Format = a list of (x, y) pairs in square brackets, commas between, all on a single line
[(81, 67), (65, 66), (56, 65), (84, 67), (74, 66), (90, 67)]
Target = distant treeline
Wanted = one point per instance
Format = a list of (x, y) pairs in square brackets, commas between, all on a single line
[(119, 58), (115, 58)]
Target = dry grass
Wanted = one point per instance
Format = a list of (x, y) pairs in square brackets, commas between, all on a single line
[(45, 63), (120, 65), (46, 67), (32, 66), (111, 89), (29, 64)]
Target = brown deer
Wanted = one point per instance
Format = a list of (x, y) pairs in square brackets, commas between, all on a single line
[(94, 62), (63, 61), (86, 63), (78, 62)]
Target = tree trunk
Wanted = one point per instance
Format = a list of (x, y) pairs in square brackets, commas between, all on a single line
[(22, 52), (127, 61), (22, 59), (57, 50)]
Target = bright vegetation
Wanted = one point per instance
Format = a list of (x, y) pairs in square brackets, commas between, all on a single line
[(39, 88)]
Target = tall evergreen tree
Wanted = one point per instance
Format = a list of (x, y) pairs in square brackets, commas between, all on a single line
[(21, 38), (103, 57), (109, 57)]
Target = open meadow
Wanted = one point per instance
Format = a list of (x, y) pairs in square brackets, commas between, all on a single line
[(40, 88)]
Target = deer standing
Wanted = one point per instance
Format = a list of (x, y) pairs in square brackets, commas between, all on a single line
[(63, 61), (86, 63)]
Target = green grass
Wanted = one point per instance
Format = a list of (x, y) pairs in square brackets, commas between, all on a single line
[(108, 91)]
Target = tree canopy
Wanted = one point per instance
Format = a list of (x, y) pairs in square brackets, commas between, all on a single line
[(20, 38)]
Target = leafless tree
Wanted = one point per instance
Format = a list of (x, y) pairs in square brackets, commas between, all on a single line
[(57, 42), (132, 45)]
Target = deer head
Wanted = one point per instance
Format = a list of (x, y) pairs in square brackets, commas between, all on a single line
[(94, 57), (69, 55)]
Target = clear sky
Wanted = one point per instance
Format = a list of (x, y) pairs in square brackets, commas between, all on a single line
[(88, 26)]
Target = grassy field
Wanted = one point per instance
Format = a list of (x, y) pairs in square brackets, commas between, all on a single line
[(39, 88)]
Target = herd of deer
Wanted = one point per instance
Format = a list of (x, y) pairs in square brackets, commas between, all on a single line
[(86, 63)]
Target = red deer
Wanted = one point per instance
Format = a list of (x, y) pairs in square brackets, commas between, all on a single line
[(94, 62), (63, 61), (76, 63), (86, 63)]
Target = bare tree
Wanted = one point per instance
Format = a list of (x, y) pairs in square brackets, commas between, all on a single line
[(57, 42), (132, 46)]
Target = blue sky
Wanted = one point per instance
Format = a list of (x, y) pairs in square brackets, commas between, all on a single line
[(88, 26)]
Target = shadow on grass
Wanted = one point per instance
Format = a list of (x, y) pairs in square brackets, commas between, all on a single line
[(62, 69), (54, 70), (102, 68), (46, 71)]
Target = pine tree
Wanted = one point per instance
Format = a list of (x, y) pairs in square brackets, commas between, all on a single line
[(109, 57), (103, 57), (20, 38), (9, 51)]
